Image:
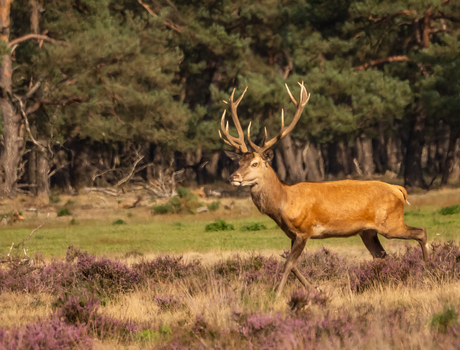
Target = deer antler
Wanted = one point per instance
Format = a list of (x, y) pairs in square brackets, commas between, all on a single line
[(304, 97), (237, 142)]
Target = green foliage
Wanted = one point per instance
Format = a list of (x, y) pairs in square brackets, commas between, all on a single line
[(213, 206), (69, 203), (185, 202), (54, 198), (64, 212), (183, 192), (163, 209), (119, 222), (453, 209), (219, 225), (147, 335), (254, 227), (441, 321)]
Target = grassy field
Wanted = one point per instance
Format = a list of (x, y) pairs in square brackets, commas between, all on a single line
[(172, 233)]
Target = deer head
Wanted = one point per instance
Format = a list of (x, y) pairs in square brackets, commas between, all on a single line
[(254, 165)]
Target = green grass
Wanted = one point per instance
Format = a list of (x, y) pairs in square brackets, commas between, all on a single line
[(167, 235)]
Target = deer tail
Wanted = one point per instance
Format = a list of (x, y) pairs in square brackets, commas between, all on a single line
[(403, 192)]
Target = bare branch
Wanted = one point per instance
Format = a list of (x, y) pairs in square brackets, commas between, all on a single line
[(35, 36), (26, 122), (382, 60), (103, 173), (57, 169), (168, 23), (32, 91), (30, 236), (126, 178), (63, 102)]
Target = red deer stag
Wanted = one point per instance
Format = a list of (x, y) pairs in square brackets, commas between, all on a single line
[(317, 210)]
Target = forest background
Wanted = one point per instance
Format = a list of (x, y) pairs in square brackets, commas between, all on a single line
[(93, 91)]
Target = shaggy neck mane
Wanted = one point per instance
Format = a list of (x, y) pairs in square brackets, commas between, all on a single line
[(269, 194)]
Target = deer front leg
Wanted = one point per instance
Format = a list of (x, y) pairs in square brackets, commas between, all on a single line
[(296, 249)]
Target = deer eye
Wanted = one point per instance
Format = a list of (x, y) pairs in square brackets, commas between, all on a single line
[(255, 164)]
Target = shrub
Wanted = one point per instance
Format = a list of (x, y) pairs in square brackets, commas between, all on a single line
[(84, 310), (54, 198), (254, 227), (183, 192), (301, 299), (106, 276), (219, 225), (64, 212), (51, 334), (163, 209), (453, 209), (73, 222), (119, 222), (213, 206), (167, 268), (69, 203), (444, 320), (252, 268)]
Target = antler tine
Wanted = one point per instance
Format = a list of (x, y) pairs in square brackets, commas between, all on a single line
[(304, 97), (252, 144), (237, 142)]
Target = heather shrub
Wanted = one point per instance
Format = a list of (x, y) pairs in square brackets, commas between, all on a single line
[(53, 334), (167, 268), (265, 331), (219, 225), (106, 276), (84, 310), (254, 227), (76, 310), (253, 268), (119, 222), (323, 264), (303, 299)]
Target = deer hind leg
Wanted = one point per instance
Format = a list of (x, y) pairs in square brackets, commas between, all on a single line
[(372, 243), (297, 247), (407, 232)]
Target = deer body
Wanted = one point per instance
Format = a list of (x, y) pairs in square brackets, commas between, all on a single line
[(319, 210)]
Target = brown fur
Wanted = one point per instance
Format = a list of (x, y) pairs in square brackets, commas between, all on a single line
[(329, 209)]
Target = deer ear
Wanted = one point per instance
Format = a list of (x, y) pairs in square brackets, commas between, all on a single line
[(233, 156), (267, 155)]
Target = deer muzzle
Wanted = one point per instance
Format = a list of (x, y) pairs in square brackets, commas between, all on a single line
[(236, 179)]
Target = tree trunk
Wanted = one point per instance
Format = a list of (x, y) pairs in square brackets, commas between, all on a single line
[(295, 171), (394, 154), (279, 165), (311, 160), (11, 120), (345, 157), (413, 175), (212, 167), (450, 170), (367, 164), (32, 171), (43, 168)]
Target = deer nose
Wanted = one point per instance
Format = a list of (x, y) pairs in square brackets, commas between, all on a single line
[(235, 178)]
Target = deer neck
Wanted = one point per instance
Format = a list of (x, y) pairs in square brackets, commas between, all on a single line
[(269, 194)]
